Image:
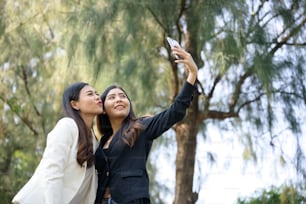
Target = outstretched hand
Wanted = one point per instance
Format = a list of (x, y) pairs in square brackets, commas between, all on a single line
[(187, 60)]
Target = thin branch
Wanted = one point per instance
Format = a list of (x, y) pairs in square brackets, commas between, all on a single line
[(253, 17), (237, 90), (177, 22), (156, 18), (26, 86), (23, 119), (201, 88), (250, 101), (219, 115), (295, 44), (216, 81), (285, 39), (291, 93)]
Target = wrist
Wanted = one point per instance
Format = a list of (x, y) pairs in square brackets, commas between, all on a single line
[(191, 79)]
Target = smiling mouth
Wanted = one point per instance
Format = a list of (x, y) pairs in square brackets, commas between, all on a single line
[(119, 107)]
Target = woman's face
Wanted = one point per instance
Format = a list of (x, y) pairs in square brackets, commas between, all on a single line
[(116, 104), (89, 102)]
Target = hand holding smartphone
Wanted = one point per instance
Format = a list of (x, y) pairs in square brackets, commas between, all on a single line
[(173, 43)]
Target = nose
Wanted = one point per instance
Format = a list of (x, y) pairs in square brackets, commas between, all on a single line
[(98, 98), (118, 99)]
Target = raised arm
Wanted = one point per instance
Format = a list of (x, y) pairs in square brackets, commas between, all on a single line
[(161, 122)]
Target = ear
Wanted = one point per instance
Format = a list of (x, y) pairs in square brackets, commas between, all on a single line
[(74, 105)]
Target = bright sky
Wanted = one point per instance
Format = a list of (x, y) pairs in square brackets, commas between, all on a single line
[(225, 184), (225, 181)]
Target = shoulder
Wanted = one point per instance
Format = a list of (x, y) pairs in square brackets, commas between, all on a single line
[(65, 128), (67, 122), (145, 118)]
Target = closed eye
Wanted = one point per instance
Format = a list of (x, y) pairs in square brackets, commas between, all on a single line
[(111, 97), (90, 93)]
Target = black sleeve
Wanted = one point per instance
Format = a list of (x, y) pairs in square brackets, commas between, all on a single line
[(163, 121)]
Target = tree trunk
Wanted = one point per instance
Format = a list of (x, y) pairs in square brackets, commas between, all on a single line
[(186, 137)]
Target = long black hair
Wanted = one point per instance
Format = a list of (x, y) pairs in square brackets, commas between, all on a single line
[(132, 124), (85, 146)]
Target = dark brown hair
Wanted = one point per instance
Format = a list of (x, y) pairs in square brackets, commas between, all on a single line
[(131, 124), (85, 146)]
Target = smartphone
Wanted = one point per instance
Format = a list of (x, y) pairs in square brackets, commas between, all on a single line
[(173, 43)]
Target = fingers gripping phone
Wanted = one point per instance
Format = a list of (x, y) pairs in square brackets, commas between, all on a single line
[(173, 43)]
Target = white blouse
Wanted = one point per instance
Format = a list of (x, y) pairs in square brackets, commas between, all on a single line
[(82, 194)]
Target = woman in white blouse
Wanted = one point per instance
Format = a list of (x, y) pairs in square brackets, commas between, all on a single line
[(66, 173)]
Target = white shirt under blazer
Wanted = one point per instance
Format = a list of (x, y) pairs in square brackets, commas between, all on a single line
[(58, 176)]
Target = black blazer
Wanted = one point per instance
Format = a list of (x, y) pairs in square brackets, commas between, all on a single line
[(124, 169)]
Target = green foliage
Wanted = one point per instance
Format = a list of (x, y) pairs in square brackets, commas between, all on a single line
[(29, 94), (251, 56), (280, 195)]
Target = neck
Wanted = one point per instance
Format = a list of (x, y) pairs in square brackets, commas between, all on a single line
[(116, 124), (88, 121)]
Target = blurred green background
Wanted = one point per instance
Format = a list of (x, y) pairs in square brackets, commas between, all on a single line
[(251, 85)]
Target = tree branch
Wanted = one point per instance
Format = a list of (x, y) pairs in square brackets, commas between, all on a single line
[(249, 102), (23, 119), (26, 86), (237, 90), (285, 39)]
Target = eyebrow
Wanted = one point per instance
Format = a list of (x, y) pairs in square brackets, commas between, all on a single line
[(120, 93)]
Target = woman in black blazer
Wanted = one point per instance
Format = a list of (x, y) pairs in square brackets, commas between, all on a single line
[(126, 140)]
